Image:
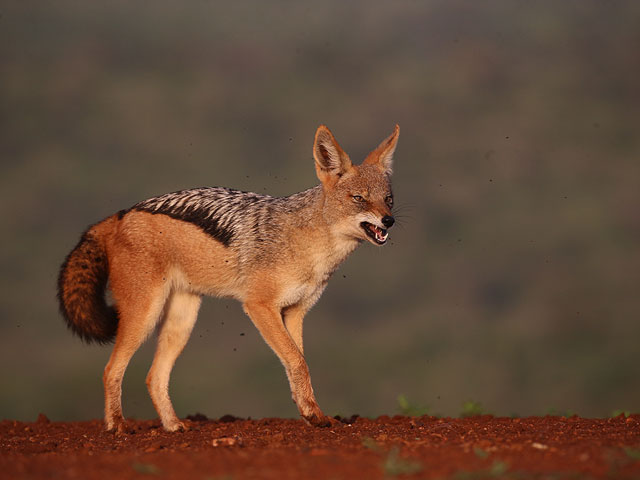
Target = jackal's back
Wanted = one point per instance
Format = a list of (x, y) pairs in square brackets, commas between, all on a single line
[(229, 215)]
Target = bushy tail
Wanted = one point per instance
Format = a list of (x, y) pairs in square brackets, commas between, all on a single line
[(82, 283)]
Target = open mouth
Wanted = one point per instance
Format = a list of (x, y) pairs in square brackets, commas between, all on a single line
[(377, 234)]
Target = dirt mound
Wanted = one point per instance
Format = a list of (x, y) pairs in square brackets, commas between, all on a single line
[(385, 447)]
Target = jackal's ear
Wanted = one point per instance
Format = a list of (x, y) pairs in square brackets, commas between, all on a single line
[(383, 154), (331, 161)]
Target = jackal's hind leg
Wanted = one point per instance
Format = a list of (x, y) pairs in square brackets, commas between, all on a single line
[(181, 312), (137, 318)]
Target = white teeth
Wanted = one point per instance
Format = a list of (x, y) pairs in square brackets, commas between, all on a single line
[(378, 233), (380, 236)]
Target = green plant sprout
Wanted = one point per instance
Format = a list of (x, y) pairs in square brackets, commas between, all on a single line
[(146, 468), (617, 413), (497, 470), (561, 413), (632, 453), (409, 409), (395, 465), (480, 453), (472, 409)]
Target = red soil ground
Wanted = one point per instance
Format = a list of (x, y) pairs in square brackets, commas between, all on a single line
[(398, 447)]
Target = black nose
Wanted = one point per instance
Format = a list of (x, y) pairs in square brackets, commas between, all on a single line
[(388, 221)]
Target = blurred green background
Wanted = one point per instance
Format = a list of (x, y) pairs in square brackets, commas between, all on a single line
[(512, 279)]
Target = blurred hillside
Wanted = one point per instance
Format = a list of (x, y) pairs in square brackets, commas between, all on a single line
[(512, 278)]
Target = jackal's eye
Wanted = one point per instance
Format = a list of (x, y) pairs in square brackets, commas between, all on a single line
[(389, 200), (358, 198)]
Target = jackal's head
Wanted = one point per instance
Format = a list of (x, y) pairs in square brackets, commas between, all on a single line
[(358, 198)]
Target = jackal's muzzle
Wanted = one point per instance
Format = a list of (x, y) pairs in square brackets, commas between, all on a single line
[(377, 234)]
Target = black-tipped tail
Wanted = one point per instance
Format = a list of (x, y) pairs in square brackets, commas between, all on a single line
[(82, 283)]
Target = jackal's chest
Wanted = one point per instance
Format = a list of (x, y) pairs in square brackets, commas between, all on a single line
[(304, 286), (308, 276), (307, 293)]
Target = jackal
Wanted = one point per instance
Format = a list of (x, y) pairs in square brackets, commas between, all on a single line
[(275, 255)]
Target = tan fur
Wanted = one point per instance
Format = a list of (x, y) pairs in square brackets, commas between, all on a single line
[(159, 267)]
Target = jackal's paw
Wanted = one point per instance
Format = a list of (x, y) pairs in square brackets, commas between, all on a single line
[(120, 427), (125, 429), (321, 420), (115, 425), (176, 426)]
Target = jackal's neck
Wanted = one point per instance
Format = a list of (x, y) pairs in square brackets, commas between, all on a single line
[(327, 221), (307, 199), (309, 208)]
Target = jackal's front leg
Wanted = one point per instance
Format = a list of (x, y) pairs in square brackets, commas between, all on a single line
[(269, 323), (292, 318)]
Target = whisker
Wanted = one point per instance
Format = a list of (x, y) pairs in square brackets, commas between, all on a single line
[(401, 213), (404, 207)]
